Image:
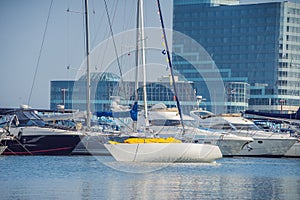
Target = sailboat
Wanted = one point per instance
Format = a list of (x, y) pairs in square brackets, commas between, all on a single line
[(151, 149)]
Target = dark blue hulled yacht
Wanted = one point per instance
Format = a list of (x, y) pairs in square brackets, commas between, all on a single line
[(25, 133)]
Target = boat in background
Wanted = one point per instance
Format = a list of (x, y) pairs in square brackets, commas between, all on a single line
[(279, 116), (28, 134), (165, 122), (93, 141), (265, 143), (279, 124), (284, 128)]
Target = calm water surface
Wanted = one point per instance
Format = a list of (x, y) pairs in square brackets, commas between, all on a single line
[(92, 177)]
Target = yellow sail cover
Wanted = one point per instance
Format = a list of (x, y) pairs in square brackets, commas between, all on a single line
[(148, 140)]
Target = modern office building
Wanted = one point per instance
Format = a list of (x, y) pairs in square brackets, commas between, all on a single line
[(256, 45), (72, 94), (105, 87)]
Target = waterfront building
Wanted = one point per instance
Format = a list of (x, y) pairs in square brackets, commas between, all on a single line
[(105, 87), (72, 94), (256, 45)]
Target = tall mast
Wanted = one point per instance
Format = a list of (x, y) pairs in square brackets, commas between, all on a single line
[(137, 51), (144, 62), (170, 64), (136, 94), (88, 81)]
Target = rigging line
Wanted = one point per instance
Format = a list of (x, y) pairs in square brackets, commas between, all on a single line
[(40, 52), (124, 123), (105, 35), (114, 12), (170, 64), (124, 59), (98, 27), (92, 22), (24, 147), (124, 16), (114, 43), (121, 87)]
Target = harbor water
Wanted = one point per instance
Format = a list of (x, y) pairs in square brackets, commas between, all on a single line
[(100, 177)]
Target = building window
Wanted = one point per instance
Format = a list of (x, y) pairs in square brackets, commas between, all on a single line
[(255, 92), (269, 91), (282, 92)]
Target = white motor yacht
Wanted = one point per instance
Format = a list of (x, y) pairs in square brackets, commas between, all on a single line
[(166, 122), (264, 144), (27, 134)]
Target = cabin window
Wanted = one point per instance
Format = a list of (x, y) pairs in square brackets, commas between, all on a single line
[(221, 126), (259, 142)]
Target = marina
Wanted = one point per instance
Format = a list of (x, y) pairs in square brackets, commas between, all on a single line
[(132, 123), (100, 177)]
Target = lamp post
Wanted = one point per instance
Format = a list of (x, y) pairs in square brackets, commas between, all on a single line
[(281, 101), (63, 91)]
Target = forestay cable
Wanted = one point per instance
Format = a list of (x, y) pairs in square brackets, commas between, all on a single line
[(40, 53), (113, 39)]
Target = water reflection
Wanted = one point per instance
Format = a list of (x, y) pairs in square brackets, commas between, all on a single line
[(199, 186), (87, 178)]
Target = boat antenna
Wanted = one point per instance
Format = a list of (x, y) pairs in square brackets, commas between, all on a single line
[(88, 81), (170, 64)]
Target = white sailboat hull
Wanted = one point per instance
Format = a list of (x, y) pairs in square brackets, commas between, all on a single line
[(164, 152)]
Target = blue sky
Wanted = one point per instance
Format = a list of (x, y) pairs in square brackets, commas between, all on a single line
[(22, 24)]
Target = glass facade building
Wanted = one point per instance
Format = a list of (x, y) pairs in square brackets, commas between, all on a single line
[(72, 94), (106, 86), (255, 44), (237, 96)]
